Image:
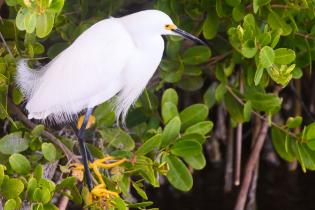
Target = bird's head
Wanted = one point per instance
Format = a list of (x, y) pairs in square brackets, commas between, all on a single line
[(157, 22)]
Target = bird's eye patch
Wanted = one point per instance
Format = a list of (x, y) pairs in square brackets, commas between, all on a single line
[(170, 27)]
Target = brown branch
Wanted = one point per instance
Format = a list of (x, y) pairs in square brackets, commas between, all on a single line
[(305, 36), (251, 204), (228, 177), (218, 58), (250, 166), (63, 203), (239, 138), (15, 110)]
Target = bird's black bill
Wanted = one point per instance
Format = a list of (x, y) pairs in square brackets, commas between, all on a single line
[(189, 36)]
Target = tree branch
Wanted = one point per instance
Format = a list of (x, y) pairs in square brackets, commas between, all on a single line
[(250, 167), (19, 114)]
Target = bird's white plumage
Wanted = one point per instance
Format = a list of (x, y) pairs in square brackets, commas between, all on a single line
[(116, 56)]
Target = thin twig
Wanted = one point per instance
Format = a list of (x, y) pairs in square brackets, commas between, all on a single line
[(228, 177), (63, 203), (229, 89), (218, 58), (250, 166), (239, 138), (6, 45), (305, 36), (14, 109)]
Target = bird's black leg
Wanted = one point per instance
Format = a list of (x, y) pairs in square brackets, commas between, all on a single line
[(80, 133), (88, 153)]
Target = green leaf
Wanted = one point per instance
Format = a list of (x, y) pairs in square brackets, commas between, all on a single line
[(210, 26), (297, 73), (193, 136), (170, 95), (193, 114), (37, 206), (56, 5), (42, 195), (186, 148), (279, 141), (266, 57), (17, 96), (38, 130), (249, 25), (2, 169), (234, 108), (261, 101), (178, 174), (12, 188), (50, 185), (191, 83), (220, 92), (19, 163), (247, 110), (249, 49), (145, 167), (10, 2), (118, 138), (119, 203), (10, 205), (67, 183), (276, 22), (95, 151), (31, 186), (258, 75), (49, 151), (149, 145), (238, 13), (196, 55), (44, 24), (233, 3), (310, 132), (264, 39), (57, 48), (259, 3), (140, 205), (50, 206), (294, 122), (197, 161), (209, 96), (284, 56), (30, 21), (104, 114), (171, 132), (305, 156), (202, 128), (140, 191), (169, 111), (192, 71), (13, 143), (20, 23)]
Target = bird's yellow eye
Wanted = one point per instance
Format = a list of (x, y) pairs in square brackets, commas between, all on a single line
[(170, 27)]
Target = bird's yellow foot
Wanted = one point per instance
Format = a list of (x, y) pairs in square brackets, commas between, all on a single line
[(91, 121), (100, 191)]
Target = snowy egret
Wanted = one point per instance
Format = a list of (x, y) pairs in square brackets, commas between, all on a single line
[(115, 56)]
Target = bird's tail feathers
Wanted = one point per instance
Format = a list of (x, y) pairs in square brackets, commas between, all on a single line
[(27, 78)]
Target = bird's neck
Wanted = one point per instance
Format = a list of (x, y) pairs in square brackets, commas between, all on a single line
[(141, 37)]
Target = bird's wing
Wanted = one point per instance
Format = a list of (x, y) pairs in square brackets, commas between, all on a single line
[(88, 69)]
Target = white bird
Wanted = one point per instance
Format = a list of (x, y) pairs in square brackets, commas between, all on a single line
[(115, 56)]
